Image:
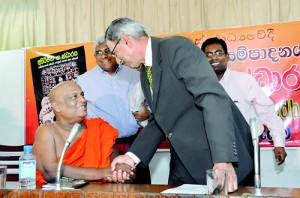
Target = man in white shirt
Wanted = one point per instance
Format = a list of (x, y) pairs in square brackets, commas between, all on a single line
[(246, 94), (107, 88)]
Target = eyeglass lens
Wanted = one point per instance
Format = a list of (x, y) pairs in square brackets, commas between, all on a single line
[(106, 51), (216, 53)]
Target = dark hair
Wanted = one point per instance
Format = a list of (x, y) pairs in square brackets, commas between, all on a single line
[(215, 40)]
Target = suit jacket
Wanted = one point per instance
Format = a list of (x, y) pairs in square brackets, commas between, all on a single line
[(191, 108)]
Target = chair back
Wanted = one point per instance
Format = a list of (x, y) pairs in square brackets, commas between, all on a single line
[(9, 156)]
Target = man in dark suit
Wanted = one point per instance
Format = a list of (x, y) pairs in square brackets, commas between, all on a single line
[(189, 106)]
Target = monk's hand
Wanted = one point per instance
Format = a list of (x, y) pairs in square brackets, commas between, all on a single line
[(108, 174), (118, 175), (142, 115), (128, 174), (280, 154), (125, 168), (232, 178)]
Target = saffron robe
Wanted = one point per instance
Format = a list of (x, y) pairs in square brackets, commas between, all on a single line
[(92, 149)]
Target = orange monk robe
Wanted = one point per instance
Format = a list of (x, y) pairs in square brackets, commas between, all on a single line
[(92, 149)]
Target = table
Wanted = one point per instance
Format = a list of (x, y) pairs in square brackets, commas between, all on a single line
[(129, 190), (279, 192)]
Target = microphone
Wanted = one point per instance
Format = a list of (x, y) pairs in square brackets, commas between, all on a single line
[(72, 134), (74, 131)]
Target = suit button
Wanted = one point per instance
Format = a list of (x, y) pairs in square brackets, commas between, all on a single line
[(234, 152)]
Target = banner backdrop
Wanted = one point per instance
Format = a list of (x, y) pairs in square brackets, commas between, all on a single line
[(268, 52)]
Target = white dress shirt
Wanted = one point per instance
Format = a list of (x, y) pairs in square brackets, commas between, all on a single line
[(148, 53), (148, 58), (253, 102), (148, 62)]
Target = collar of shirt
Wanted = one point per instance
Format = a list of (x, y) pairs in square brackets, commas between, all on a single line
[(226, 76), (148, 54), (105, 72)]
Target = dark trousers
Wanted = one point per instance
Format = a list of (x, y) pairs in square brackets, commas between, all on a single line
[(249, 180), (142, 173), (178, 173)]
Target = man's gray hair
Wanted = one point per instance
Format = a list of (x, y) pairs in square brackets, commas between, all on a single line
[(99, 41), (124, 26)]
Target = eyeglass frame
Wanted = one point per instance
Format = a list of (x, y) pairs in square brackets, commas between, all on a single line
[(113, 51), (217, 53), (105, 51)]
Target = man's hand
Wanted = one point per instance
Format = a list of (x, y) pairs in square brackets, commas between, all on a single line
[(142, 115), (280, 154), (232, 178), (123, 168)]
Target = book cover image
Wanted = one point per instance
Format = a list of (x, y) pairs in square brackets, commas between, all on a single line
[(49, 70)]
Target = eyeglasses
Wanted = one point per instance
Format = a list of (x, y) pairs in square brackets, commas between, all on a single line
[(106, 51), (217, 53), (113, 51)]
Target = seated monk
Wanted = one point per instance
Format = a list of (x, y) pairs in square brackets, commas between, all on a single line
[(92, 149)]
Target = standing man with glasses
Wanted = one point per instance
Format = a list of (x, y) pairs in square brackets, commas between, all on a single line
[(107, 89), (246, 94), (189, 106)]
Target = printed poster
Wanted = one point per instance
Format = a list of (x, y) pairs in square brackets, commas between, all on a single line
[(45, 68)]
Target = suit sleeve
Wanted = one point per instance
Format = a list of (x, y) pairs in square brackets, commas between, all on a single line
[(151, 136), (191, 66)]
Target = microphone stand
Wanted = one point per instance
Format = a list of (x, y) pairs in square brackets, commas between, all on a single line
[(72, 134), (257, 179), (58, 172)]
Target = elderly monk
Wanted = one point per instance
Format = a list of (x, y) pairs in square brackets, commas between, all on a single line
[(92, 149)]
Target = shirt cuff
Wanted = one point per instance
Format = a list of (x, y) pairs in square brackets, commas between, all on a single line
[(133, 157), (278, 141)]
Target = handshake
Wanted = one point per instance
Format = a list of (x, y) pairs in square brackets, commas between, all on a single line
[(122, 170)]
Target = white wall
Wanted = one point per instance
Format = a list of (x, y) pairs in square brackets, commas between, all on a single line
[(12, 99), (272, 175), (159, 166), (285, 175)]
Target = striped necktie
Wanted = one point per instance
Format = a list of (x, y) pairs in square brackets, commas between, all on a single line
[(149, 74)]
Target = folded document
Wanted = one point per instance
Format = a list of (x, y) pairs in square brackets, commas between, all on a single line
[(187, 189)]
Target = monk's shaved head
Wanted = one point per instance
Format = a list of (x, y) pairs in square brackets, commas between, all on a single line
[(58, 90), (63, 96)]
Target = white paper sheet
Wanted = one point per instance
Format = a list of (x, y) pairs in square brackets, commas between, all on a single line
[(187, 189), (52, 186)]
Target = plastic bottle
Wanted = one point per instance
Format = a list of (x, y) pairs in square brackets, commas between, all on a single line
[(27, 169)]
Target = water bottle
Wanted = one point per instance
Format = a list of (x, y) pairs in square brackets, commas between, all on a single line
[(27, 169)]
